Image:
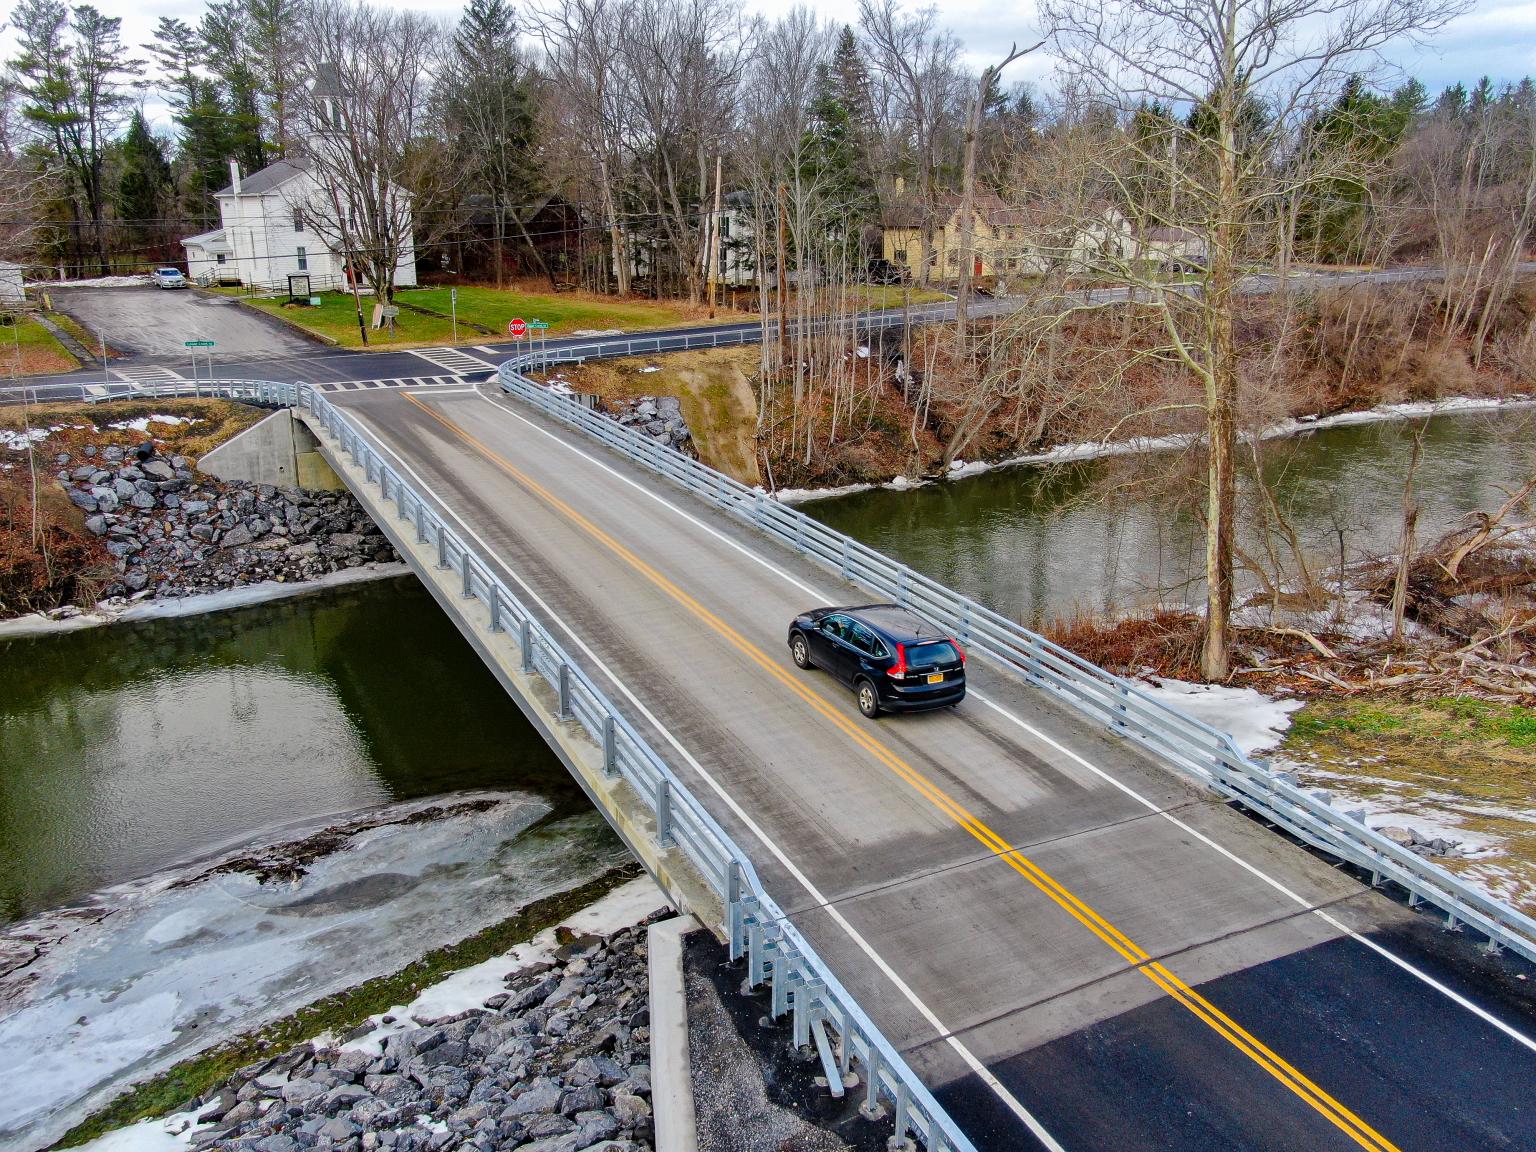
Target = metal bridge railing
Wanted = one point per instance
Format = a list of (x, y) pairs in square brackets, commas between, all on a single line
[(1177, 739), (258, 391), (755, 926)]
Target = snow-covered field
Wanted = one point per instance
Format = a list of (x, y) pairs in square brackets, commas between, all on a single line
[(157, 969)]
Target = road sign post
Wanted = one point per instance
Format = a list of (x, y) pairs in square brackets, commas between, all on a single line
[(192, 347), (541, 328), (453, 311)]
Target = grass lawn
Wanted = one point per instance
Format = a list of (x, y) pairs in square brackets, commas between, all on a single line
[(483, 314), (1450, 762), (29, 349)]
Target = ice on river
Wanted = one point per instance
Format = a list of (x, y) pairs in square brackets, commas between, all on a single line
[(163, 967)]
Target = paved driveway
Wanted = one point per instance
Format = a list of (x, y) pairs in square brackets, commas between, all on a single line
[(151, 324)]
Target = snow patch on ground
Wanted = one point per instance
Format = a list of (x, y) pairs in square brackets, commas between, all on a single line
[(18, 441), (165, 1134), (100, 282), (591, 332), (651, 368), (142, 423), (1256, 722), (470, 987), (113, 611)]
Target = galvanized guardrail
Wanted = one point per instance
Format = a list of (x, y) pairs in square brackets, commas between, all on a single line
[(259, 391), (755, 925), (1177, 739)]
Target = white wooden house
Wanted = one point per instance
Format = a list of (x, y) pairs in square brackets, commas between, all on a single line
[(269, 232)]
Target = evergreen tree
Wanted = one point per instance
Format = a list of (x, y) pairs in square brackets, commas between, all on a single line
[(205, 140), (273, 29), (1452, 101), (832, 158), (851, 88), (226, 34), (72, 74), (487, 109), (143, 179)]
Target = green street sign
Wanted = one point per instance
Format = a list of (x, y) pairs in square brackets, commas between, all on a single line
[(537, 324), (198, 343)]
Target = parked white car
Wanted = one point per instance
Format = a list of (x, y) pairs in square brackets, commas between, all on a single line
[(169, 278)]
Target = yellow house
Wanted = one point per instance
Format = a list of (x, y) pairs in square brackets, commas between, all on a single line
[(1000, 239)]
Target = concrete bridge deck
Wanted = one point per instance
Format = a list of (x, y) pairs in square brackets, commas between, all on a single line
[(1074, 948)]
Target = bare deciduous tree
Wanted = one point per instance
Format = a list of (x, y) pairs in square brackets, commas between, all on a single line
[(1231, 81), (367, 112)]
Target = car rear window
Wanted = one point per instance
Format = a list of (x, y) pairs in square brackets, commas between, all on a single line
[(932, 655)]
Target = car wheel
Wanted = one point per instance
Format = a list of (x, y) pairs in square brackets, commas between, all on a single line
[(869, 699), (800, 652)]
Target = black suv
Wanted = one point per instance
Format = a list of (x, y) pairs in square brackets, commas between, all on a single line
[(894, 661)]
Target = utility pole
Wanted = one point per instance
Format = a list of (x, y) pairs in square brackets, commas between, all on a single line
[(783, 284), (714, 240)]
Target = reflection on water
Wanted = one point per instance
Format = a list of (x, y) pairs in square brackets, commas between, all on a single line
[(1040, 543), (132, 747)]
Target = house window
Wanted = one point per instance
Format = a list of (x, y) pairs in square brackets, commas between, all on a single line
[(219, 258), (900, 254), (298, 219), (725, 227), (303, 260)]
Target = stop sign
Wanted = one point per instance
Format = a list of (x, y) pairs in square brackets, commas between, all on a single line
[(517, 329)]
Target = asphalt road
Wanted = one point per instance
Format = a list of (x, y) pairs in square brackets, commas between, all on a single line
[(151, 324), (1083, 952)]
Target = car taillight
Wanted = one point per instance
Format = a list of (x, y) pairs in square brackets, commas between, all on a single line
[(899, 668), (959, 650)]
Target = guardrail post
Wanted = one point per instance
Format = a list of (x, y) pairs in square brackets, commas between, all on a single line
[(610, 746), (565, 692), (525, 643), (664, 837), (804, 1000), (784, 982), (495, 607), (469, 583), (442, 545), (421, 522), (871, 1109), (902, 595), (1125, 696), (843, 569), (734, 908)]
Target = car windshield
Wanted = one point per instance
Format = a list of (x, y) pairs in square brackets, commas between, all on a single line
[(932, 655)]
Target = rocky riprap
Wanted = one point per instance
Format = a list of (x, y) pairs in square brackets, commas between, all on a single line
[(659, 417), (174, 531), (559, 1062)]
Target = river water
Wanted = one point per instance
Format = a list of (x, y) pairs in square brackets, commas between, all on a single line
[(130, 748), (1041, 543)]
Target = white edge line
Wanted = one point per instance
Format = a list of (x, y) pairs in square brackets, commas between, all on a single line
[(975, 1064), (1450, 993)]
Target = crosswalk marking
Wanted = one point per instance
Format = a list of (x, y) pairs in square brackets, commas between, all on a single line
[(453, 359), (149, 374), (394, 382)]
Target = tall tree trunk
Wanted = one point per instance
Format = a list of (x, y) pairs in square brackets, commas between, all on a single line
[(1220, 415), (615, 233)]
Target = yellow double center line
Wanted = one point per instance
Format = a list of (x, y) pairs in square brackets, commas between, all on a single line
[(1222, 1024)]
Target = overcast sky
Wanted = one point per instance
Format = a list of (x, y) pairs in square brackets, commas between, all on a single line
[(1497, 38)]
